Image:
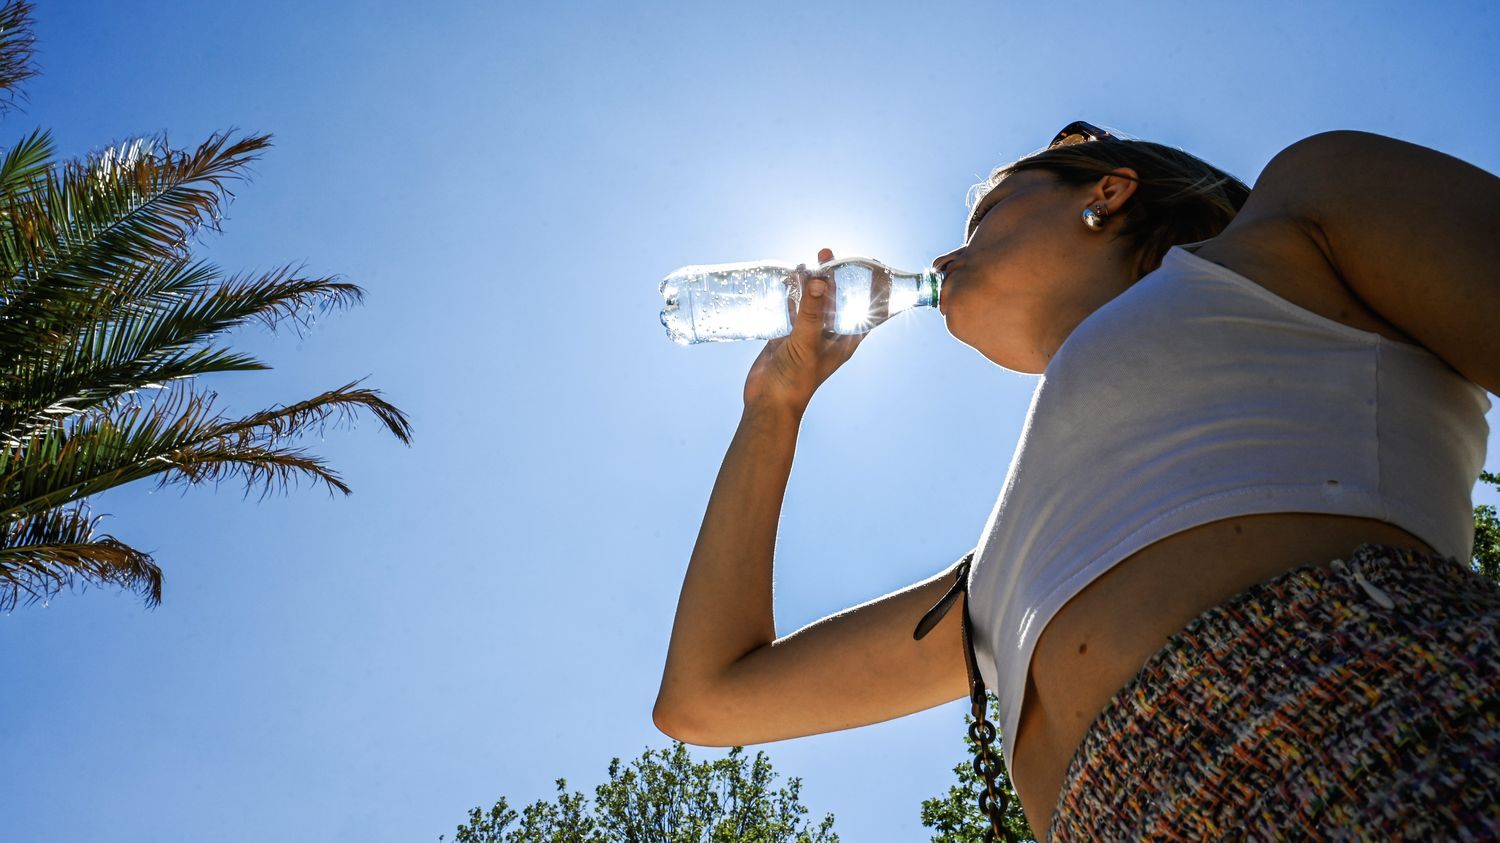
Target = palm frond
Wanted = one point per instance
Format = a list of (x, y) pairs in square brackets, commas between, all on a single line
[(17, 47), (53, 311), (26, 165), (94, 219), (69, 462), (101, 304), (43, 553), (291, 420), (179, 437), (145, 336), (270, 468), (94, 390)]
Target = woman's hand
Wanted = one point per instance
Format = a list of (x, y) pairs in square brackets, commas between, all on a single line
[(791, 368)]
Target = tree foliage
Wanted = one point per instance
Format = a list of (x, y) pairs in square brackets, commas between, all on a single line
[(661, 797), (105, 322), (1487, 535)]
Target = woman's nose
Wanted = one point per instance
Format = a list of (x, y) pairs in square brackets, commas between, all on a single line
[(940, 263)]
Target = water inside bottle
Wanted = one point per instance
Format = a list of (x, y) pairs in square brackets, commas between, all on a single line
[(723, 306), (852, 286), (866, 297), (741, 314)]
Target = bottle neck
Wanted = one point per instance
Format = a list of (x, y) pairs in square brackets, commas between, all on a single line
[(929, 288), (901, 290)]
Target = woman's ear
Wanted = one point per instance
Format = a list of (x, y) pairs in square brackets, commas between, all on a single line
[(1113, 189)]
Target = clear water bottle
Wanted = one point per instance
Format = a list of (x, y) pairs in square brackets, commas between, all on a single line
[(755, 300)]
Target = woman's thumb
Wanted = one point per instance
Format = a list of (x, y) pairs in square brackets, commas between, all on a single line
[(814, 302)]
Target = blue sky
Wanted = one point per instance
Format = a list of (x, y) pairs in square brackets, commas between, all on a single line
[(490, 609)]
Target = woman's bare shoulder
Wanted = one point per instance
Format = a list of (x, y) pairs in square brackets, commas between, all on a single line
[(1407, 233), (1278, 253)]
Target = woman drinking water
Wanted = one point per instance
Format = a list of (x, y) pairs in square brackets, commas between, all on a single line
[(1225, 589)]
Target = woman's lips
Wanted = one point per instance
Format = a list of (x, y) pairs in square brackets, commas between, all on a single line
[(943, 291)]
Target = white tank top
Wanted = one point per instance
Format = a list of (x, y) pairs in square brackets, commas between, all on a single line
[(1198, 395)]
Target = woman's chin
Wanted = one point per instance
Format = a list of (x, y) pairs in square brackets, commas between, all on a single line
[(948, 322), (945, 302), (955, 330), (1005, 358)]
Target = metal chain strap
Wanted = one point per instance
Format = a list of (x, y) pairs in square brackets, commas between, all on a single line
[(993, 802)]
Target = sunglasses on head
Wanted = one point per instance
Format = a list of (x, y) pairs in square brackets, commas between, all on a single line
[(1079, 132), (1074, 133)]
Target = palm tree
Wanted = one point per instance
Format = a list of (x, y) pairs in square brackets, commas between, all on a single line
[(105, 320)]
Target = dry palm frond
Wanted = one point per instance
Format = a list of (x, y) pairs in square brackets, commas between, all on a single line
[(17, 47), (43, 553)]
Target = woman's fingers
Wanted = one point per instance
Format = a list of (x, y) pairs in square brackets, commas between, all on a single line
[(797, 305), (813, 318), (792, 367), (825, 255), (813, 309), (825, 318)]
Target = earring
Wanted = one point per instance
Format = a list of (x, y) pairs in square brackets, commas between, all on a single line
[(1094, 217)]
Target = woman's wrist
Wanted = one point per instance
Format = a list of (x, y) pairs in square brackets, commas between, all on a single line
[(774, 411)]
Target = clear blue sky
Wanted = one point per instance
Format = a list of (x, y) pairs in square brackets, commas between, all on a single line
[(490, 610)]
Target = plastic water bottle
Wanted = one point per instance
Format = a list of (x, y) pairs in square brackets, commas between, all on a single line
[(756, 300)]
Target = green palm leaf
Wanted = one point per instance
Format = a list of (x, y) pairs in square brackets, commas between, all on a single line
[(143, 334), (181, 438), (26, 165), (94, 219), (53, 312)]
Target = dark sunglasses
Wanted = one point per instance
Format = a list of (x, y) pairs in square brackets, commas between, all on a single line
[(1076, 132), (1079, 132)]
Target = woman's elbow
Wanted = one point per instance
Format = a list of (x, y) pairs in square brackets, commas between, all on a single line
[(668, 723), (679, 723)]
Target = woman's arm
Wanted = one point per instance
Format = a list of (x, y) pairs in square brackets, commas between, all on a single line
[(1413, 233), (728, 680)]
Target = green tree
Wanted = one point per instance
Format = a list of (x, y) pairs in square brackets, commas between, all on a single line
[(955, 816), (662, 797), (105, 321), (1487, 534)]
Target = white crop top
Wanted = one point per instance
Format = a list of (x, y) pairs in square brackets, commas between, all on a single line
[(1198, 395)]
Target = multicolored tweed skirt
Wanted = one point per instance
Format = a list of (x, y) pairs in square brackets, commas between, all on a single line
[(1358, 702)]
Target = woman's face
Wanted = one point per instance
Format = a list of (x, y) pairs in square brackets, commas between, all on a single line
[(1031, 269)]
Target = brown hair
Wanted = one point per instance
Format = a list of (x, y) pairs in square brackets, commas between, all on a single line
[(1179, 198)]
